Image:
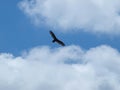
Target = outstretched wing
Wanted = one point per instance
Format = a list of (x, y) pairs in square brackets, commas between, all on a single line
[(60, 42), (55, 39), (53, 35)]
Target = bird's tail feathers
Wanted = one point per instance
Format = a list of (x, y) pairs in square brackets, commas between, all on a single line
[(53, 40)]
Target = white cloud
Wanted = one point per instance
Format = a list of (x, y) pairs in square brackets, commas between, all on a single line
[(45, 68), (97, 16)]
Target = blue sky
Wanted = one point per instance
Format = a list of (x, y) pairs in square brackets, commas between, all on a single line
[(18, 33), (89, 61)]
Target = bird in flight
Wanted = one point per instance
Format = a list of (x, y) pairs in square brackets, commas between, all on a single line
[(55, 39)]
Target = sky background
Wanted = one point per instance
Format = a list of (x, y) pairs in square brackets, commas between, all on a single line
[(89, 61), (18, 33)]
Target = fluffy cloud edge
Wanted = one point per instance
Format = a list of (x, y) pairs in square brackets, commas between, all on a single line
[(46, 68), (101, 17)]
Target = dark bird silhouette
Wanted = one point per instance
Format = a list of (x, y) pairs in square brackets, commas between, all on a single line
[(55, 39)]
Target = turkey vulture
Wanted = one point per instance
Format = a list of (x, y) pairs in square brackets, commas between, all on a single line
[(55, 39)]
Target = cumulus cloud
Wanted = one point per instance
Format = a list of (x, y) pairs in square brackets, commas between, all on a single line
[(65, 68), (96, 16)]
